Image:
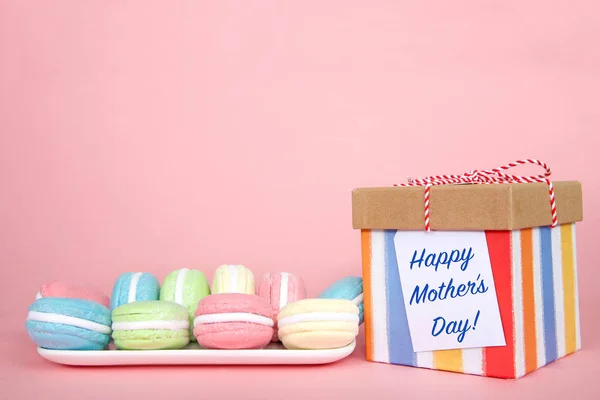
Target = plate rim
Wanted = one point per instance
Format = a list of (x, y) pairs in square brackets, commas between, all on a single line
[(118, 357)]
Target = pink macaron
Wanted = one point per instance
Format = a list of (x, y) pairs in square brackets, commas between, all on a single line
[(233, 321), (73, 290), (279, 289)]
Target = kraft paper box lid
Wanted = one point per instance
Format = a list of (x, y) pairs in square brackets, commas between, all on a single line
[(507, 206)]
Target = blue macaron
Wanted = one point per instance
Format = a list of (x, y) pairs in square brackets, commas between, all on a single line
[(349, 288), (134, 286), (58, 323)]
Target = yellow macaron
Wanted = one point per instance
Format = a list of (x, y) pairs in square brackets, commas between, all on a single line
[(318, 324), (232, 278)]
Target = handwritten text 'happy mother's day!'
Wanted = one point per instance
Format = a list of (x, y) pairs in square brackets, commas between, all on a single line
[(447, 290)]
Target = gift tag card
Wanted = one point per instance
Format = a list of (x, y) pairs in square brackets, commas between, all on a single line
[(449, 291)]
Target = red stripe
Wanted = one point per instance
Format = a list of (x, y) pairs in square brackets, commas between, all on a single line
[(500, 361)]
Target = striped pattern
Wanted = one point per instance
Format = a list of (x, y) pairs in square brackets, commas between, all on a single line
[(427, 218), (535, 276)]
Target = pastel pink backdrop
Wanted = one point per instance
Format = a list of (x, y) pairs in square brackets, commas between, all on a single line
[(148, 135)]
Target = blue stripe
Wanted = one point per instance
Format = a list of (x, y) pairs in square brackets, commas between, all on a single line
[(398, 333), (548, 295)]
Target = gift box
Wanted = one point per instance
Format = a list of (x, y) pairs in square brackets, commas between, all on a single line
[(473, 274)]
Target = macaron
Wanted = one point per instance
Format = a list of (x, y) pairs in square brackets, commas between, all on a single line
[(233, 321), (318, 324), (150, 325), (349, 288), (134, 286), (233, 279), (73, 290), (281, 288), (186, 287), (68, 324)]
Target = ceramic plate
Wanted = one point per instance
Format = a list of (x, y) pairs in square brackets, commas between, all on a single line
[(273, 354)]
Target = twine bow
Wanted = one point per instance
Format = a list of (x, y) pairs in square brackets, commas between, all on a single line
[(489, 176)]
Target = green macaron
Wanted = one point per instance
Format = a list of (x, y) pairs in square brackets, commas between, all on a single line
[(150, 325), (186, 287)]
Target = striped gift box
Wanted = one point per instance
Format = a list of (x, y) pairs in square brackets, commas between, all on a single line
[(535, 276)]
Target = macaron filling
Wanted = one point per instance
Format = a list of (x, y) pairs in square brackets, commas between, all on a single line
[(143, 325), (358, 299), (233, 317), (54, 318), (179, 285), (317, 317), (283, 290), (39, 296), (135, 278)]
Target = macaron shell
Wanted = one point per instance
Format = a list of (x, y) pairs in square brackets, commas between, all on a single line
[(74, 290), (346, 288), (268, 288), (339, 326), (155, 310), (296, 289), (167, 289), (317, 340), (234, 303), (77, 308), (233, 335), (151, 339), (148, 288), (233, 279), (318, 305), (65, 337), (119, 296)]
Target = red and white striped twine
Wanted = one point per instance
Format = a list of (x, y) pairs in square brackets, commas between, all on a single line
[(489, 176)]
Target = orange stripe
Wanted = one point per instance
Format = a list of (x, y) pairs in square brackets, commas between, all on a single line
[(568, 262), (528, 300), (365, 236), (448, 360)]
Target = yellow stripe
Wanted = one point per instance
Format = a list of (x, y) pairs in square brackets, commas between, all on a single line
[(448, 360), (566, 235), (366, 272)]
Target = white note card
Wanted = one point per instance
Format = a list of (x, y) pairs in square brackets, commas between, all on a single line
[(448, 289)]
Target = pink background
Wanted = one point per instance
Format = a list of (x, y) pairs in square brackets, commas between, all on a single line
[(147, 135)]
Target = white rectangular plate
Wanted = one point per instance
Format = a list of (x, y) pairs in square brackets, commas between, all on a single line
[(273, 354)]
